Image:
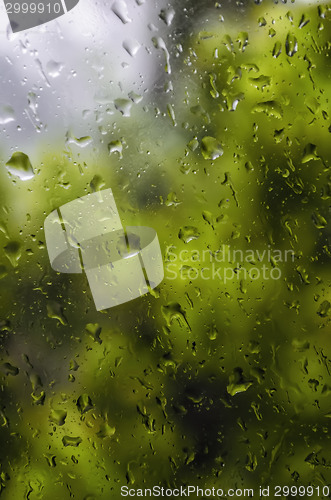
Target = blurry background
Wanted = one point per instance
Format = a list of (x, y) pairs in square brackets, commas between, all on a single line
[(210, 122)]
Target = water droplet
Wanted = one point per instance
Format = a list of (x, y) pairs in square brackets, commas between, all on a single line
[(200, 112), (174, 311), (319, 221), (20, 166), (212, 332), (82, 142), (167, 15), (303, 21), (211, 148), (123, 106), (172, 200), (97, 183), (270, 108), (303, 275), (9, 369), (237, 383), (261, 81), (171, 113), (13, 252), (84, 403), (106, 431), (300, 345), (32, 102), (279, 135), (228, 43), (188, 233), (193, 144), (289, 16), (94, 330), (120, 9), (291, 45), (214, 92), (323, 10), (54, 68), (277, 50), (58, 416), (312, 104), (160, 44), (136, 98), (324, 309), (7, 114), (242, 40), (310, 153), (50, 459), (116, 147), (131, 46), (71, 441), (55, 311)]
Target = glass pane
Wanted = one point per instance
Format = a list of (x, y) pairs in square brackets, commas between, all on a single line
[(165, 249)]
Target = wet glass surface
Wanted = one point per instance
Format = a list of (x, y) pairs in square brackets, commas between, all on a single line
[(210, 123)]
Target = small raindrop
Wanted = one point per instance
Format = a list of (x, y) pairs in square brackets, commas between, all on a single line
[(242, 40), (171, 113), (13, 252), (84, 403), (123, 106), (277, 50), (237, 382), (82, 142), (291, 45), (159, 43), (131, 46), (303, 21), (54, 68), (71, 441), (174, 311), (193, 144), (310, 153), (55, 311), (9, 369), (94, 330), (120, 9), (188, 233), (211, 148), (319, 221), (116, 147), (167, 15), (97, 183), (270, 108), (58, 417), (324, 309), (136, 98), (106, 431)]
